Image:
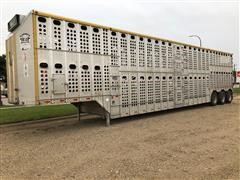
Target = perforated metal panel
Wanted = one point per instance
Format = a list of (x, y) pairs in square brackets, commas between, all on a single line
[(199, 59), (150, 92), (84, 38), (133, 51), (157, 91), (96, 40), (195, 59), (114, 49), (106, 70), (170, 87), (149, 53), (57, 34), (178, 90), (105, 42), (85, 77), (157, 58), (164, 55), (190, 59), (142, 92), (164, 88), (123, 50), (125, 94), (141, 52), (71, 35), (73, 75), (43, 33), (44, 81), (133, 93), (186, 90), (170, 55)]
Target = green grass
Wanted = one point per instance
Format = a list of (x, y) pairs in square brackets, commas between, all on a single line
[(18, 114), (236, 90)]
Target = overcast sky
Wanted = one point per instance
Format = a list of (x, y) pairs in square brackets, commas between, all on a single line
[(216, 22)]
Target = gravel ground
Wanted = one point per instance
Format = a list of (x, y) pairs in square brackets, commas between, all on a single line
[(200, 142)]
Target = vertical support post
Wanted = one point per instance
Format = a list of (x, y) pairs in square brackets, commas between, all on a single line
[(78, 107), (107, 119)]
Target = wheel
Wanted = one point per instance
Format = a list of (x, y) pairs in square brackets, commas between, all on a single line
[(214, 99), (229, 96), (221, 97)]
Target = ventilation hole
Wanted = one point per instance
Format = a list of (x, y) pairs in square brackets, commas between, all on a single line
[(133, 77), (84, 28), (149, 77), (157, 77), (58, 66), (163, 43), (71, 25), (195, 77), (132, 37), (123, 35), (207, 51), (194, 49), (185, 47), (170, 44), (156, 41), (141, 39), (190, 77), (57, 22), (42, 19), (190, 48), (149, 40), (85, 67), (97, 68), (96, 30), (142, 77), (43, 65), (170, 77), (198, 49), (163, 77), (203, 50), (185, 77), (124, 77), (113, 33), (177, 47), (72, 66)]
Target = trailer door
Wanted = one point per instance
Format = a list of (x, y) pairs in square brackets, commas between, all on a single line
[(59, 84)]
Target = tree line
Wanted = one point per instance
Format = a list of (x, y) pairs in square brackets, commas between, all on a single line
[(3, 67)]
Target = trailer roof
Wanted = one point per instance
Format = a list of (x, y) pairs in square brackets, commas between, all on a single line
[(39, 13)]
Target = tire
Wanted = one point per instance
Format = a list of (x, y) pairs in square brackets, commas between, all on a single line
[(229, 96), (214, 98), (221, 97)]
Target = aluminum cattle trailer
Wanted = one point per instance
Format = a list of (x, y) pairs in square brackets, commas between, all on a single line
[(107, 71)]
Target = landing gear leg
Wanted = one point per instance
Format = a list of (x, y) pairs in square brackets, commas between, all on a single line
[(108, 119), (78, 107)]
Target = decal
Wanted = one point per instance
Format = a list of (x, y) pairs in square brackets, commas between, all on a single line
[(25, 41)]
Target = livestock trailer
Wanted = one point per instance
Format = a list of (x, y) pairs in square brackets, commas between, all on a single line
[(107, 71)]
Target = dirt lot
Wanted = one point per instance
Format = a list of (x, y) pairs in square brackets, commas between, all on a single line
[(192, 143)]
